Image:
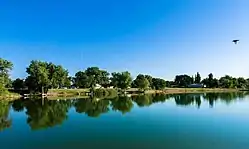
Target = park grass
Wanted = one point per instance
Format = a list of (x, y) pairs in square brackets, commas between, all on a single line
[(190, 90), (81, 92), (67, 92), (9, 96)]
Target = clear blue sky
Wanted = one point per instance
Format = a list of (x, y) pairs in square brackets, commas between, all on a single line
[(158, 37)]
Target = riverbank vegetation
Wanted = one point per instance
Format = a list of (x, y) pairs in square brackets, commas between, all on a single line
[(51, 79)]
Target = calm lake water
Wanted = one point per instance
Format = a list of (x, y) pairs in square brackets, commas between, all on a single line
[(187, 121)]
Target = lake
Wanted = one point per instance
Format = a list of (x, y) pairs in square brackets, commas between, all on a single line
[(180, 121)]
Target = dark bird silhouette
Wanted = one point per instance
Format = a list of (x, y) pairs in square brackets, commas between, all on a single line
[(235, 41)]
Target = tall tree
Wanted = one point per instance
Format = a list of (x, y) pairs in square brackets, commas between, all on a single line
[(18, 84), (183, 80), (158, 83), (121, 80), (90, 77), (43, 75), (198, 78), (38, 76), (141, 82), (5, 67), (149, 78)]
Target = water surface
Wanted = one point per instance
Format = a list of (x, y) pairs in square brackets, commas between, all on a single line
[(183, 121)]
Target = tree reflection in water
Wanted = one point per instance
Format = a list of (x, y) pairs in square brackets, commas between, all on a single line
[(44, 113), (5, 121), (92, 107), (123, 104)]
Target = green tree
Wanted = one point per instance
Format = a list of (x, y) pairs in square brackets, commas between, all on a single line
[(149, 78), (197, 78), (5, 67), (43, 75), (227, 82), (242, 83), (121, 80), (81, 80), (38, 78), (158, 83), (90, 77), (57, 75), (141, 82), (183, 80), (97, 76), (211, 82), (18, 84)]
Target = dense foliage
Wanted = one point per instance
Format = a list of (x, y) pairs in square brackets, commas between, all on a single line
[(44, 75), (5, 67)]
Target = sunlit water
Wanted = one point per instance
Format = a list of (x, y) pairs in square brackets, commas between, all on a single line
[(191, 121)]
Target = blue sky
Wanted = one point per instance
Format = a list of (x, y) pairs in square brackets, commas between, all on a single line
[(158, 37)]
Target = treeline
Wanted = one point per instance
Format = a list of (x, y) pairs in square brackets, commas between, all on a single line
[(46, 75)]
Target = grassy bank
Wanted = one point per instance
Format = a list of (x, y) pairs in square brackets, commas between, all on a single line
[(9, 96), (67, 92), (81, 92), (108, 92), (190, 90)]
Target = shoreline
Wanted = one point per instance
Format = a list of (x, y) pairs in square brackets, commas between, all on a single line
[(190, 90), (74, 93), (80, 92)]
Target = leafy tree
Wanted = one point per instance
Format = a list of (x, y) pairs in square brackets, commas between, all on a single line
[(141, 82), (5, 67), (242, 83), (90, 77), (158, 83), (183, 80), (211, 82), (81, 80), (121, 80), (43, 75), (198, 78), (18, 84), (38, 78), (226, 82), (58, 76), (97, 76), (149, 78)]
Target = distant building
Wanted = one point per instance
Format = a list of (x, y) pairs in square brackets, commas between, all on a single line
[(195, 86)]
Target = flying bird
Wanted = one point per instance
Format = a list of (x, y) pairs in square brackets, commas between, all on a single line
[(235, 41)]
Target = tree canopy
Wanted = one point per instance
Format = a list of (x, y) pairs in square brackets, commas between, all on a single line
[(5, 67), (141, 82), (90, 77), (43, 75), (121, 80)]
